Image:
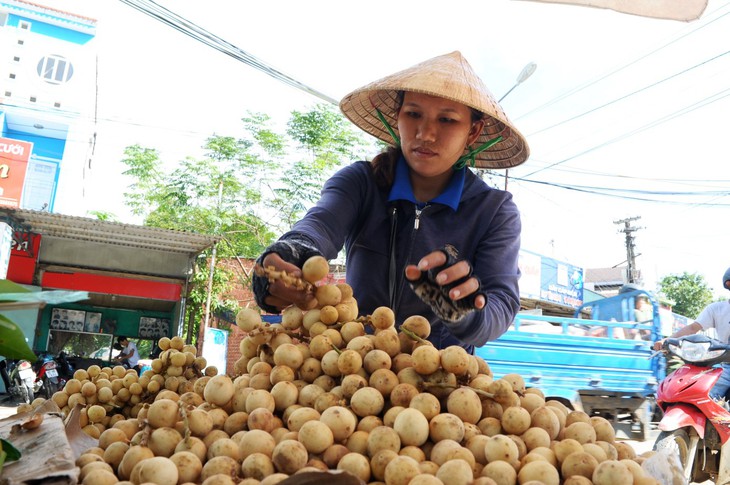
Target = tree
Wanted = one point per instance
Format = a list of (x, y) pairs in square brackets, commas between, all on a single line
[(246, 191), (690, 292), (327, 140)]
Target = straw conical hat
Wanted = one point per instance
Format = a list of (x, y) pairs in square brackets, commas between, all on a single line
[(449, 76)]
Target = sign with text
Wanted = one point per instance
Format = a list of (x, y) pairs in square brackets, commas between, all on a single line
[(14, 156), (550, 280), (24, 257)]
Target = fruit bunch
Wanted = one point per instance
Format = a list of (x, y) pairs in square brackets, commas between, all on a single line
[(326, 390)]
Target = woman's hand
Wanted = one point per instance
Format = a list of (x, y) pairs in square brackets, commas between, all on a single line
[(282, 295), (447, 276)]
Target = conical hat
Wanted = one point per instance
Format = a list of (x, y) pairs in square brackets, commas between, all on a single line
[(448, 76)]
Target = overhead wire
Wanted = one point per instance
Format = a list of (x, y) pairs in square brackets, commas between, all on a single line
[(200, 34), (612, 192), (625, 96), (687, 109), (614, 71)]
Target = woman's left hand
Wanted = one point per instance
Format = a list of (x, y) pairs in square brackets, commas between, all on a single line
[(448, 275)]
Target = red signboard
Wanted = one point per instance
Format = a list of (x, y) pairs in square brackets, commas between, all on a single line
[(14, 156), (24, 258), (112, 285)]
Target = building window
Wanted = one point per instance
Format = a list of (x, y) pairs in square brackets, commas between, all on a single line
[(12, 76), (16, 59), (55, 69), (21, 42), (8, 94), (32, 99), (56, 104), (24, 25)]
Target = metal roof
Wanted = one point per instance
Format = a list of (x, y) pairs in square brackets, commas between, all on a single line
[(105, 232)]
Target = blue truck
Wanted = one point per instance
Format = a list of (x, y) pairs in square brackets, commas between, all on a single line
[(599, 361)]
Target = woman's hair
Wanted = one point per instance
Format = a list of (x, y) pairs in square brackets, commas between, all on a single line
[(383, 164)]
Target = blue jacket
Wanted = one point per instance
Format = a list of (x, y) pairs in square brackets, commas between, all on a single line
[(354, 213)]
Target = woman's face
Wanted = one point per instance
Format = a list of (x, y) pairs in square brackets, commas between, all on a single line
[(434, 132)]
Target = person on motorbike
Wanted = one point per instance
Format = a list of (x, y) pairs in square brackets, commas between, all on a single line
[(716, 315), (416, 216)]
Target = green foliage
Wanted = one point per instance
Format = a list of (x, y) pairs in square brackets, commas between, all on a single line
[(690, 292), (244, 190), (104, 216)]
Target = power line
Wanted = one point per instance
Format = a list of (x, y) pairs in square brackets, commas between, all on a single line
[(196, 32), (614, 193), (628, 64), (687, 109), (649, 86)]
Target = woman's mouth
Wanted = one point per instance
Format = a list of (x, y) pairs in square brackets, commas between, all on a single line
[(424, 151)]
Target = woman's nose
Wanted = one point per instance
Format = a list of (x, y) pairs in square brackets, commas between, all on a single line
[(426, 131)]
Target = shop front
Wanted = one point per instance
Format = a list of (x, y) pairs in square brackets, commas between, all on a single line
[(136, 279)]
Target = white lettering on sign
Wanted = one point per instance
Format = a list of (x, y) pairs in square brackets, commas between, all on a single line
[(4, 171), (12, 148)]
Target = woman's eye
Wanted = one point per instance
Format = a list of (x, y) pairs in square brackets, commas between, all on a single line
[(448, 120), (413, 114)]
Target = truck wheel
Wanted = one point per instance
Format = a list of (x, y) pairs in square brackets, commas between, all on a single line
[(677, 442)]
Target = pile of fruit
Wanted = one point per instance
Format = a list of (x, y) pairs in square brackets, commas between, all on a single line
[(325, 390)]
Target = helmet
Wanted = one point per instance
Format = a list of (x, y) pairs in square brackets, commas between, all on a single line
[(726, 279)]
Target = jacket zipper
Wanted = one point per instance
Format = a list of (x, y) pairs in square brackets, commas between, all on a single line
[(395, 280), (392, 274)]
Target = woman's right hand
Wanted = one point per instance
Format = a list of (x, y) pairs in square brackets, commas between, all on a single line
[(282, 295)]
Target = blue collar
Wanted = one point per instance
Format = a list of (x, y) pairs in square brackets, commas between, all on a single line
[(403, 190)]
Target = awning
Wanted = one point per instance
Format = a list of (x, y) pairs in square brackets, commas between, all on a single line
[(110, 249), (682, 10)]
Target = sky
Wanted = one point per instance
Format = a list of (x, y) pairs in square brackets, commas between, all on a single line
[(625, 116)]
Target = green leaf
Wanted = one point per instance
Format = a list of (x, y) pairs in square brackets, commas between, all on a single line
[(12, 342), (7, 286), (11, 452)]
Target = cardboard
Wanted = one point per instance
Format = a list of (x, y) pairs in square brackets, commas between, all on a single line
[(46, 455)]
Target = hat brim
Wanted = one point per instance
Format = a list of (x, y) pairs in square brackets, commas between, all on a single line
[(450, 77)]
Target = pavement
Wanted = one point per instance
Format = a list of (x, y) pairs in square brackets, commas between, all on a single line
[(8, 406)]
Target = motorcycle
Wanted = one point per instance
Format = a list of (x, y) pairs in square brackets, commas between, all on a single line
[(19, 379), (694, 427), (47, 379)]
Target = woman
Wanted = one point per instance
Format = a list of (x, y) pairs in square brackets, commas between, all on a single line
[(422, 233)]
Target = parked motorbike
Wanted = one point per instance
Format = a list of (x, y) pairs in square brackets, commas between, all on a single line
[(19, 379), (47, 379), (694, 426)]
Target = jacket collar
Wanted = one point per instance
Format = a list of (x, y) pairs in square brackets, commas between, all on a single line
[(403, 190)]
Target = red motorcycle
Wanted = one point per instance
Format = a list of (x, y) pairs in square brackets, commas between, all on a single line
[(47, 380), (694, 426)]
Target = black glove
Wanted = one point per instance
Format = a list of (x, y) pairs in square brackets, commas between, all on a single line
[(437, 296), (295, 250)]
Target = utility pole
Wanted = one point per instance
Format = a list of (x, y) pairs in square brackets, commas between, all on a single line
[(632, 273)]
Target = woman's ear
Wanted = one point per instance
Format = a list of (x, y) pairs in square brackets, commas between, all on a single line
[(476, 130)]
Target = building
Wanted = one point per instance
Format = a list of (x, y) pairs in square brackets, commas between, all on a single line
[(134, 278), (605, 281), (47, 101)]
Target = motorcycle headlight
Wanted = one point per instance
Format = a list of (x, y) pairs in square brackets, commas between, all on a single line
[(695, 352)]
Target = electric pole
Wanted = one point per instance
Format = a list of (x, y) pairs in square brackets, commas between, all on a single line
[(632, 273)]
